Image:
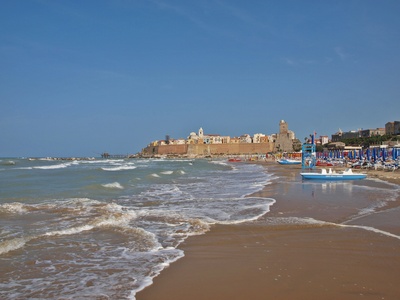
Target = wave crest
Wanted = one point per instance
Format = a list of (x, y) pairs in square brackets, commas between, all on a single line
[(113, 185)]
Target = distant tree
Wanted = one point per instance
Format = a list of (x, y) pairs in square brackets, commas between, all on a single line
[(296, 145), (367, 141)]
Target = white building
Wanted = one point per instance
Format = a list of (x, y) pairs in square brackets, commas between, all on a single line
[(257, 137)]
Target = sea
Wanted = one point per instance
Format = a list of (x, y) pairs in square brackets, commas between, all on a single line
[(104, 228)]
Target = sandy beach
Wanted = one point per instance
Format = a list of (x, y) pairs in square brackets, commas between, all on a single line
[(319, 241)]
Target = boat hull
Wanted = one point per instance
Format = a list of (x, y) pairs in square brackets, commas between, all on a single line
[(318, 176), (289, 162)]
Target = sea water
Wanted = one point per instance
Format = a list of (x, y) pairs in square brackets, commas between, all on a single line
[(104, 228)]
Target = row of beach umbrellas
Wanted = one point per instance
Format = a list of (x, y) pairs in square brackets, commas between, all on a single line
[(368, 154)]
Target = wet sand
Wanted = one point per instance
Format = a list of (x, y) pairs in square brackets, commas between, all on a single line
[(305, 248)]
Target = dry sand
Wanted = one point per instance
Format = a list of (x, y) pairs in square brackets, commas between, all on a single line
[(274, 258)]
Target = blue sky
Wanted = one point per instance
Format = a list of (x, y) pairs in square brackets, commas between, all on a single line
[(78, 78)]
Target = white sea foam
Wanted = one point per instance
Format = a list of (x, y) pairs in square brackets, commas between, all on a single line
[(115, 217), (312, 221), (69, 231), (120, 168), (13, 244), (220, 162), (51, 167), (296, 221), (101, 161), (113, 185), (155, 175), (7, 162), (368, 228), (15, 207), (148, 280), (167, 172)]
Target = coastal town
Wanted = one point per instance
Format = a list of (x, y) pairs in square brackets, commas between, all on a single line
[(201, 144)]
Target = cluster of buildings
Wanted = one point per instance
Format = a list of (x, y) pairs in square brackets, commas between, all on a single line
[(201, 144), (201, 138), (391, 128)]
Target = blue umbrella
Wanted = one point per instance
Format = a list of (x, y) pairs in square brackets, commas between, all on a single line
[(374, 153), (360, 153), (368, 155), (350, 155), (383, 154), (394, 153)]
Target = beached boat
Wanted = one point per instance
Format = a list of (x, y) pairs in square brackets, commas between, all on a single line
[(324, 163), (287, 161), (324, 175), (235, 159)]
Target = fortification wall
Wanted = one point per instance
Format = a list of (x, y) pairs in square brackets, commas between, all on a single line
[(166, 149), (210, 149)]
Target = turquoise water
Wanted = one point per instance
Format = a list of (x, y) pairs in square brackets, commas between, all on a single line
[(104, 228)]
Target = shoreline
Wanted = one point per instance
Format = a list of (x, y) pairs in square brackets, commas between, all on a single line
[(306, 247)]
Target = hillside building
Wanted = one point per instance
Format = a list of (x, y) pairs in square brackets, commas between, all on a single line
[(372, 132), (392, 127)]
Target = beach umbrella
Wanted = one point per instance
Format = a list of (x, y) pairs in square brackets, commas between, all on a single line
[(350, 155), (368, 154), (394, 153), (360, 153), (383, 154), (374, 153)]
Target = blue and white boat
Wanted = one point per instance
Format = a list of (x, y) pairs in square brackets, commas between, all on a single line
[(287, 161), (332, 175)]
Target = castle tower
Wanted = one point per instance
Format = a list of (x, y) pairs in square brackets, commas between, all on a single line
[(201, 133), (284, 139), (283, 127)]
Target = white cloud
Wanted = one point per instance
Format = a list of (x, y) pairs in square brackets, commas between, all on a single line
[(298, 62), (341, 53)]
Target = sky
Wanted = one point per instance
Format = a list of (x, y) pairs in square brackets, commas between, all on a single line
[(78, 78)]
